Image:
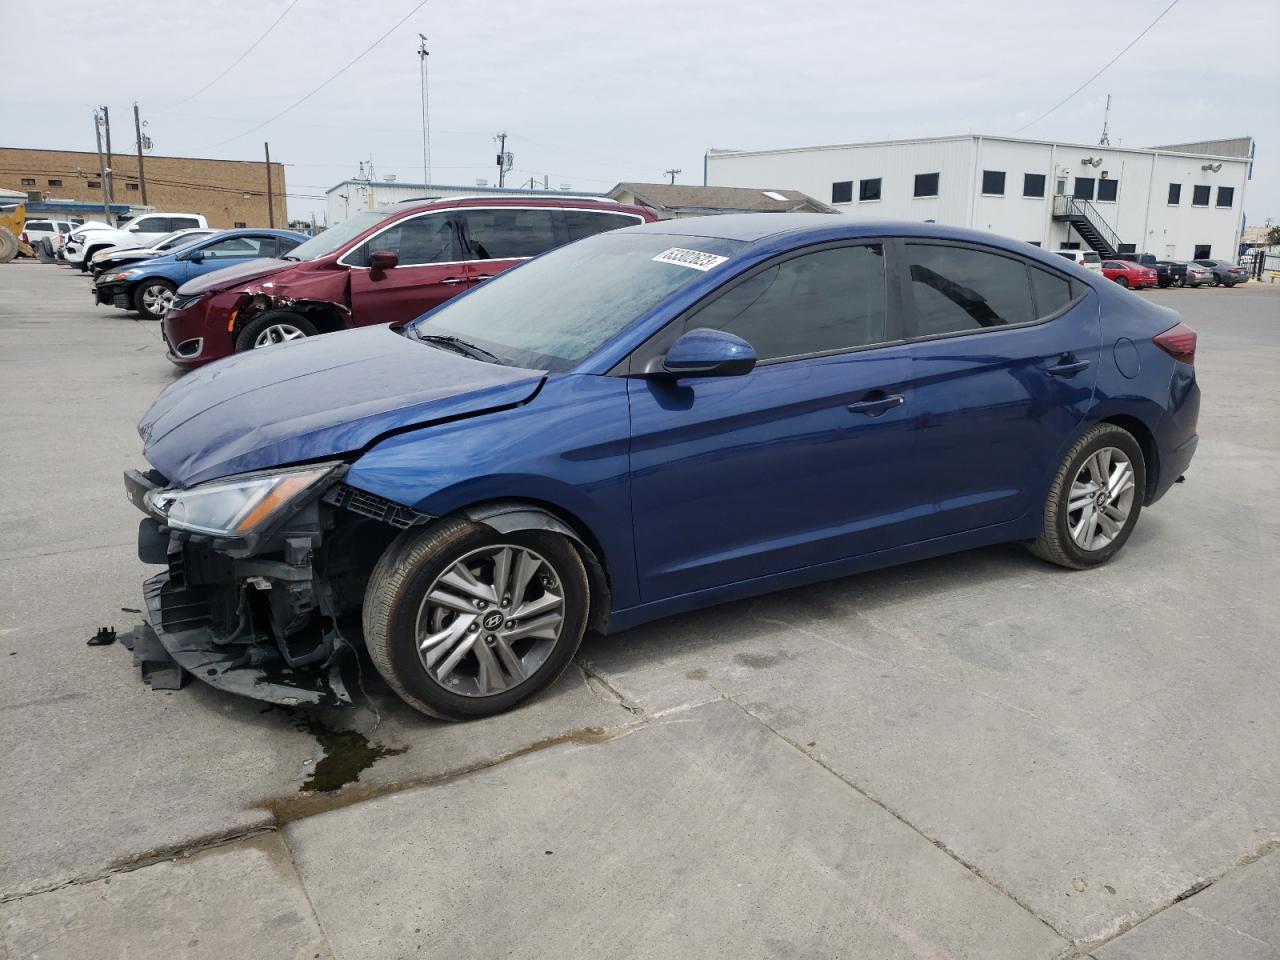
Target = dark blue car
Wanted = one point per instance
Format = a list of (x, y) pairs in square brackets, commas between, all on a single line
[(641, 423), (148, 286)]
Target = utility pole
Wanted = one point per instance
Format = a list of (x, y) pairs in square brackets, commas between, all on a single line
[(504, 159), (271, 206), (1105, 140), (672, 174), (109, 173), (426, 122), (142, 173), (102, 167)]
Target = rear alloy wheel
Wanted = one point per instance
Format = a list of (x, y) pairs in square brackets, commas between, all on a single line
[(151, 298), (464, 622), (1122, 281), (272, 327), (1094, 500)]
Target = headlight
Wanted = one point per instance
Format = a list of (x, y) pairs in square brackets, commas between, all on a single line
[(123, 275), (235, 508)]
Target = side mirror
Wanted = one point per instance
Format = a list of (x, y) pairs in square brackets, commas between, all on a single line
[(709, 353), (196, 256), (382, 260)]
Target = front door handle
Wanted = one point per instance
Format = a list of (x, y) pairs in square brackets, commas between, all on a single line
[(453, 280), (1068, 366), (876, 407)]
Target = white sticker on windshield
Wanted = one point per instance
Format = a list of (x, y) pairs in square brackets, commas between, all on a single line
[(694, 259)]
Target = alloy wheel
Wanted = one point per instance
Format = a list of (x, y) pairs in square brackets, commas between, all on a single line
[(490, 620), (156, 298), (277, 333), (1101, 498)]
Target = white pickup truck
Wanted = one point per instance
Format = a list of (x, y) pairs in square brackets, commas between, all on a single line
[(141, 231)]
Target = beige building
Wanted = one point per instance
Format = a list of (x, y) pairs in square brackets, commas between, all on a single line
[(229, 193)]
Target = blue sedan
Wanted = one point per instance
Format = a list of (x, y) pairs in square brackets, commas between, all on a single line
[(645, 422), (149, 286)]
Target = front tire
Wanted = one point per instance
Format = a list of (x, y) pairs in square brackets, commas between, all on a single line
[(1122, 281), (465, 622), (274, 326), (151, 298), (1094, 500)]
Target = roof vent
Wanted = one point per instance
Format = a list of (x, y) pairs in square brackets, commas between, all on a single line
[(773, 195)]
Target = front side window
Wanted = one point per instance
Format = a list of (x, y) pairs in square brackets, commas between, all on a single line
[(508, 233), (338, 236), (1226, 195), (926, 185), (993, 182), (587, 223), (1107, 190), (1033, 184), (957, 289), (415, 242), (1175, 194), (1200, 195), (816, 303), (869, 189), (842, 191), (152, 225), (1084, 188)]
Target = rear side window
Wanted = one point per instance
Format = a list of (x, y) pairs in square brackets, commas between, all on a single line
[(957, 289), (508, 233), (819, 302), (153, 225), (416, 241), (584, 223), (284, 245), (1092, 258), (238, 248), (38, 225), (183, 223)]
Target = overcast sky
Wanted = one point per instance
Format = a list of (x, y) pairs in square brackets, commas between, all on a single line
[(594, 93)]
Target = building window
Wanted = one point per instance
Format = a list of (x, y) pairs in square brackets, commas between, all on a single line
[(1084, 188), (94, 184), (1128, 248), (1226, 195), (842, 191), (28, 181), (1175, 194), (993, 182), (1107, 190), (240, 224), (926, 185), (1033, 184), (131, 186), (55, 183), (1071, 245), (869, 189), (1202, 252), (1200, 196)]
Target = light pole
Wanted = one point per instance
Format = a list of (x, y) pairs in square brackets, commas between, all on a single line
[(426, 125)]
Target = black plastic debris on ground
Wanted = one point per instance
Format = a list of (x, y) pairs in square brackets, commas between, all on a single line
[(103, 638), (159, 670)]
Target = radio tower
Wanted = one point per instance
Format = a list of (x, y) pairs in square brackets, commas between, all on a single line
[(1105, 140)]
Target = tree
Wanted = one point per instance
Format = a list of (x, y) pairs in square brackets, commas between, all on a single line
[(1273, 236)]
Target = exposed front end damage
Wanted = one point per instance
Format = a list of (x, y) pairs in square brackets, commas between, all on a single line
[(271, 615)]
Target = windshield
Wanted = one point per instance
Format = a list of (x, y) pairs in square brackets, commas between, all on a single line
[(550, 313), (335, 237)]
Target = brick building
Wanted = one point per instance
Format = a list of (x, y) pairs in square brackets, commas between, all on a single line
[(230, 193)]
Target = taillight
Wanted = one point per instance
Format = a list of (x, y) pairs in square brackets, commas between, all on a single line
[(1178, 342)]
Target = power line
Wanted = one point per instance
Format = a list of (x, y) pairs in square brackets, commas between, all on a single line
[(234, 63), (351, 63), (1100, 72)]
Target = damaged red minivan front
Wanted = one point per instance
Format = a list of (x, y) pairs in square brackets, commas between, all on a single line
[(388, 265)]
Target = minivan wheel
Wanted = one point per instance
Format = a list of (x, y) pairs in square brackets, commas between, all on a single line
[(1094, 500), (152, 298), (274, 326), (465, 622)]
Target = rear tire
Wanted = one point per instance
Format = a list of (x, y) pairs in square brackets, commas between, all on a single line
[(1093, 503), (471, 658), (1122, 281), (274, 326)]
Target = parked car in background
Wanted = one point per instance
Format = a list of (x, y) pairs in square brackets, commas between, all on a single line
[(381, 266), (73, 248), (646, 422), (1082, 258), (1132, 275), (1225, 274), (55, 231), (1196, 276), (148, 286), (1167, 273), (141, 231), (112, 258)]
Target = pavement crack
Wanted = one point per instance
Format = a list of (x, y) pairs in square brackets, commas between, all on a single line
[(598, 685)]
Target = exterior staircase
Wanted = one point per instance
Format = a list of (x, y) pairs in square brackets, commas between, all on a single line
[(1087, 221)]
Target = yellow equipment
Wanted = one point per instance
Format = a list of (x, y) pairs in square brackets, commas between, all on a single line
[(11, 243)]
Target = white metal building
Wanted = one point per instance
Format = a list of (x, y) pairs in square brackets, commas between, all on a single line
[(1182, 201), (352, 196)]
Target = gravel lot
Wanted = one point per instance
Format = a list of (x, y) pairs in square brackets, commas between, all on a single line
[(977, 756)]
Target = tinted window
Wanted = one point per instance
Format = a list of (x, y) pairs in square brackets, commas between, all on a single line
[(233, 247), (993, 182), (869, 189), (152, 225), (842, 191), (1107, 190), (1092, 258), (338, 236), (416, 241), (1051, 291), (926, 185), (960, 289), (183, 223), (1033, 184), (829, 300), (507, 233), (1084, 188), (284, 245), (38, 225), (1200, 196), (1175, 193), (1226, 195), (585, 223)]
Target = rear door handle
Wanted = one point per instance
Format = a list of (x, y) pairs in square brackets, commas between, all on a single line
[(486, 276), (1068, 369), (453, 280), (874, 407)]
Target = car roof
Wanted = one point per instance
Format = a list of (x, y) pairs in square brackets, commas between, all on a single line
[(480, 200), (253, 232)]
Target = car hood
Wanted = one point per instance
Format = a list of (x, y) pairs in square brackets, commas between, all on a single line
[(124, 255), (314, 399), (228, 277)]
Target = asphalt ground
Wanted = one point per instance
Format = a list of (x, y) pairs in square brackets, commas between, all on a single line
[(975, 756)]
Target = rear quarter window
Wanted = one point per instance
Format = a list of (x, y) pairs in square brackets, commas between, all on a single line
[(585, 223)]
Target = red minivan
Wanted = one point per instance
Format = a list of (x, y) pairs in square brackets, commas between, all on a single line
[(381, 266)]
